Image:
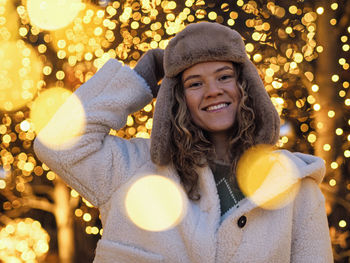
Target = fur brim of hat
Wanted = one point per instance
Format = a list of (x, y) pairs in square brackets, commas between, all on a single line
[(204, 42)]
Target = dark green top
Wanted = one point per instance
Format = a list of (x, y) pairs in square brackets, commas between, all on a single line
[(228, 189)]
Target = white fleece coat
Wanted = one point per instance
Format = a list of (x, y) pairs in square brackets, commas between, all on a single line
[(99, 166)]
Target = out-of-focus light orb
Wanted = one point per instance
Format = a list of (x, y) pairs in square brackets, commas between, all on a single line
[(20, 73), (53, 14), (315, 88), (342, 223), (320, 10), (69, 121), (155, 203), (268, 178), (25, 125), (23, 239)]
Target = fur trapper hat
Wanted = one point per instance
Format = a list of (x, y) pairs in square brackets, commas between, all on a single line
[(203, 42)]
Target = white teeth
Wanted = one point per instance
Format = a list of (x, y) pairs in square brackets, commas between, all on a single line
[(216, 107)]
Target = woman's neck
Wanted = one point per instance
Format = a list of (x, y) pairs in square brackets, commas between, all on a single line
[(221, 146)]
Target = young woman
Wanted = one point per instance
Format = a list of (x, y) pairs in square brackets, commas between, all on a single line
[(211, 108)]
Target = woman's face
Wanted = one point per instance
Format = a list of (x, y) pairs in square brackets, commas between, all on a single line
[(212, 95)]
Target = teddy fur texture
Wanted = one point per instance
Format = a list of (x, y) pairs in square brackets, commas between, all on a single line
[(203, 42), (102, 167)]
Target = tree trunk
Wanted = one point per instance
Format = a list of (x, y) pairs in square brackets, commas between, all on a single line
[(327, 94), (64, 220)]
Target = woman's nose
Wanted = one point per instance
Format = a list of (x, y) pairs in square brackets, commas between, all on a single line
[(213, 89)]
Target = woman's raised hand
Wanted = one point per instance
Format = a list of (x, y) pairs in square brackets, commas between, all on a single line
[(150, 67)]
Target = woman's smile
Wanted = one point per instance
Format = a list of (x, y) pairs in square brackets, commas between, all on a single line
[(212, 95)]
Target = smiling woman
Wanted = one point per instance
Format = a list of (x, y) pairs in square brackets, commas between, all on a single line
[(212, 95), (211, 117)]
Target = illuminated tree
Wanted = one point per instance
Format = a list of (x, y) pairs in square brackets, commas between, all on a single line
[(300, 48)]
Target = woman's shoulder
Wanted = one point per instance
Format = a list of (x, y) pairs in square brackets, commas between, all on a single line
[(307, 165)]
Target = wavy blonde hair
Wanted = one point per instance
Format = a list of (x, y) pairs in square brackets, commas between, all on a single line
[(190, 145)]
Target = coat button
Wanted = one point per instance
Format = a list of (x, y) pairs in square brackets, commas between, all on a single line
[(242, 221)]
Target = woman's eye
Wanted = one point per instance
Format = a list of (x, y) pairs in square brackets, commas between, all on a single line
[(225, 77), (194, 85)]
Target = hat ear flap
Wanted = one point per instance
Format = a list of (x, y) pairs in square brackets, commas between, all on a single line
[(266, 117), (160, 135)]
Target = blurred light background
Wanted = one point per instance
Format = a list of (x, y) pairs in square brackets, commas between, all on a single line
[(301, 49)]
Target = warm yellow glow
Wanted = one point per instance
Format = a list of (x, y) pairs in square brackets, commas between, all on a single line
[(311, 138), (142, 134), (87, 217), (23, 240), (74, 193), (270, 72), (268, 178), (347, 153), (334, 165), (333, 21), (293, 9), (2, 184), (277, 84), (155, 203), (25, 125), (332, 182), (20, 73), (326, 147), (130, 121), (284, 139), (315, 88), (317, 107), (298, 57), (346, 47), (346, 84), (293, 65), (88, 204), (311, 99), (342, 61), (342, 223), (334, 6), (6, 138), (212, 15), (51, 176), (53, 14), (69, 121), (240, 2), (339, 131), (319, 49), (289, 30), (78, 212), (331, 113), (257, 57), (249, 47), (320, 10), (335, 78), (347, 102)]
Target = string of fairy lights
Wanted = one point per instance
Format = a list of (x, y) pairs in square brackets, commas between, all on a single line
[(40, 51)]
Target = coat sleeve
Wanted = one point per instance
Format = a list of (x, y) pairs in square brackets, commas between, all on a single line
[(310, 238), (97, 163)]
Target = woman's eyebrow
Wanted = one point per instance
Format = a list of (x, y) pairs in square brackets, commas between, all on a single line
[(223, 68), (216, 71), (191, 77)]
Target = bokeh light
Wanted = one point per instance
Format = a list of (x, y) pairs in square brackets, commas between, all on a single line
[(20, 73), (53, 14), (155, 203), (23, 240), (60, 131), (268, 178)]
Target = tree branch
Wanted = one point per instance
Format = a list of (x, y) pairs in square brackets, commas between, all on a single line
[(38, 203)]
